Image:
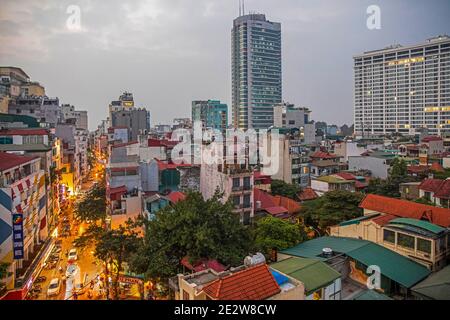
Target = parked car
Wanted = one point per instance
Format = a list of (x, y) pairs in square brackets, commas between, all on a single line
[(72, 255), (54, 287)]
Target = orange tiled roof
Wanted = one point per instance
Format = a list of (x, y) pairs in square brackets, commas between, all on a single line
[(255, 283), (437, 167), (407, 209), (292, 206), (307, 194)]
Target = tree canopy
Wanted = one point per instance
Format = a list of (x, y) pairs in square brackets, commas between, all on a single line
[(332, 208), (193, 228), (93, 206), (281, 188), (398, 173), (273, 233)]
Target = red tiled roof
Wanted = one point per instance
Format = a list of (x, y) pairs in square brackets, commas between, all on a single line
[(176, 196), (437, 167), (116, 193), (345, 175), (444, 190), (165, 165), (154, 143), (266, 199), (255, 283), (24, 132), (323, 155), (307, 194), (9, 160), (292, 206), (431, 138), (124, 144), (258, 175), (407, 209), (360, 185), (418, 169), (431, 185), (383, 219), (203, 265), (274, 211)]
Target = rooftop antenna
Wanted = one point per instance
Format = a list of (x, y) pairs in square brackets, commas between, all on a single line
[(243, 7), (240, 9)]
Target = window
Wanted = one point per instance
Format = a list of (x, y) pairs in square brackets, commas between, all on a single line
[(186, 295), (247, 203), (236, 201), (291, 122), (405, 241), (389, 236), (247, 183), (424, 245), (236, 182)]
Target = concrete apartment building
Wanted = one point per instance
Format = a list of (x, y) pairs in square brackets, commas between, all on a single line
[(286, 115), (44, 109), (212, 113), (403, 89), (14, 82), (23, 216), (81, 117), (256, 71), (293, 159), (234, 180)]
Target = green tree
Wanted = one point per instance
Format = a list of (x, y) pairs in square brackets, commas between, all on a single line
[(398, 173), (281, 188), (3, 274), (426, 201), (331, 209), (114, 248), (93, 206), (195, 228), (273, 233)]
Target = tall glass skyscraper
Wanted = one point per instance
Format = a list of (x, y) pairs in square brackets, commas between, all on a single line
[(256, 71)]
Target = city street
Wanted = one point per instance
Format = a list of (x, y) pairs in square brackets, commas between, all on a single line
[(88, 265)]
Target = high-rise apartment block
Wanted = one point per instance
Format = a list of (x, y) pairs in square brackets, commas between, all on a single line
[(403, 89), (256, 71), (212, 113)]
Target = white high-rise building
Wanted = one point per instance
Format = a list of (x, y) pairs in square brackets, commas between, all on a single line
[(403, 89)]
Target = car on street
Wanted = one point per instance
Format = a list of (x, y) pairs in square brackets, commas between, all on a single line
[(72, 255), (54, 287)]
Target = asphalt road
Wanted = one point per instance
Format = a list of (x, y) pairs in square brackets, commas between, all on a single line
[(89, 267)]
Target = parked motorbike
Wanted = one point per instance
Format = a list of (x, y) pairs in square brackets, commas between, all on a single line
[(40, 279)]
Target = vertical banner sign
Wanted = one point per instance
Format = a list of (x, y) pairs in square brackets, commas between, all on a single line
[(18, 236)]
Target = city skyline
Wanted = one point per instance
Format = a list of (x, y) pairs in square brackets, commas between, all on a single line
[(166, 70)]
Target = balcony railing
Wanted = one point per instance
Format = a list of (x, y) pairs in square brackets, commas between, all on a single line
[(116, 212)]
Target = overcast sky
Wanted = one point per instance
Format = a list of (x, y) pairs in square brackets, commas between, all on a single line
[(170, 52)]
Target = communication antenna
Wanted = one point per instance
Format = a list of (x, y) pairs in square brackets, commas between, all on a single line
[(240, 11), (243, 7)]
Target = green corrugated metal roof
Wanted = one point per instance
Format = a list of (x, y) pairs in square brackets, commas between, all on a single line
[(392, 265), (371, 295), (420, 224), (358, 220), (312, 273), (436, 286), (313, 248)]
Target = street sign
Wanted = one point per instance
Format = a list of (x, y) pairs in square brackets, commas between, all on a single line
[(18, 251)]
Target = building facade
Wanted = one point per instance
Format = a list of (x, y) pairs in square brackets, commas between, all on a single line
[(403, 89), (256, 71), (212, 113)]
